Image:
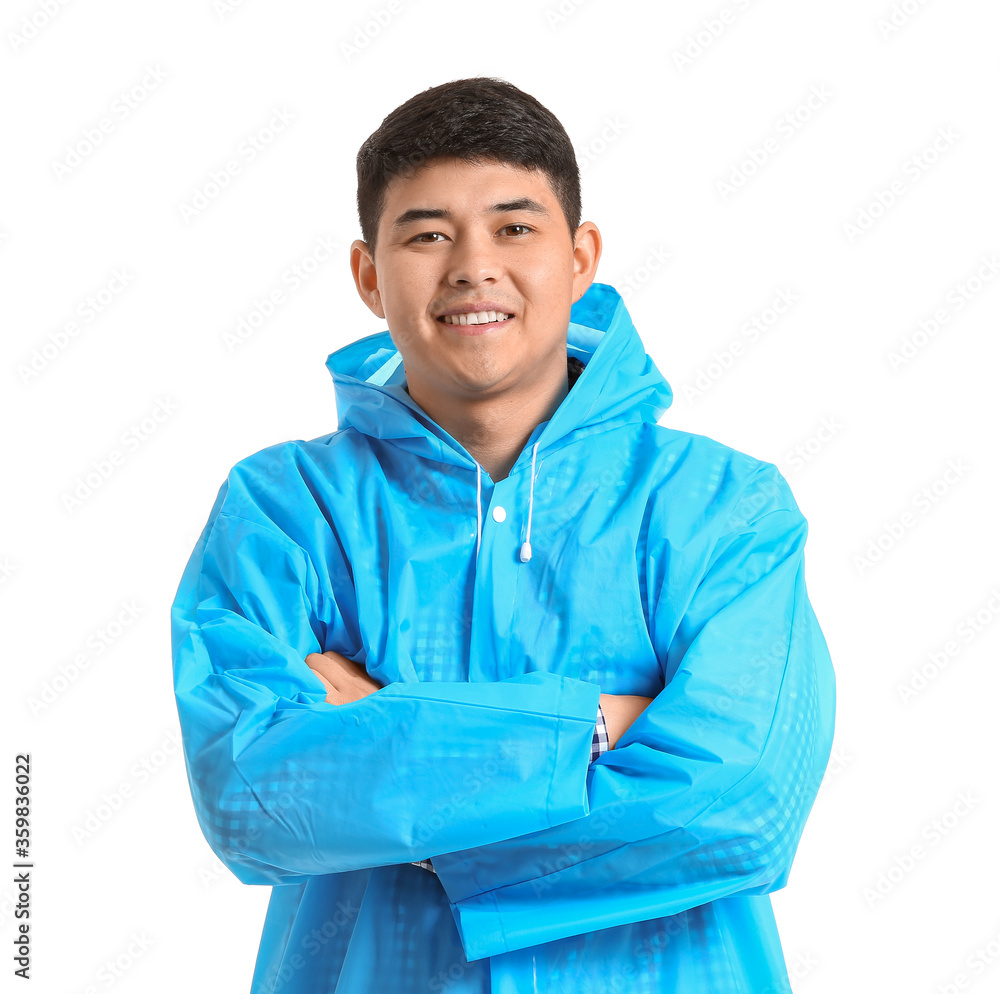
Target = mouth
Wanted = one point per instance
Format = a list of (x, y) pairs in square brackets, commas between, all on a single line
[(476, 323)]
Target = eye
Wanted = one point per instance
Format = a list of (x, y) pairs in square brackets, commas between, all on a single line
[(426, 234), (524, 228)]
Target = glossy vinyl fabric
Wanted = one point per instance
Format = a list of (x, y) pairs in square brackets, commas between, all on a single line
[(662, 563)]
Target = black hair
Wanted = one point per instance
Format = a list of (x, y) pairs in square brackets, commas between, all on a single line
[(479, 119)]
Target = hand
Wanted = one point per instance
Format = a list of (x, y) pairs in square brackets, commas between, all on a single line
[(620, 710), (345, 681)]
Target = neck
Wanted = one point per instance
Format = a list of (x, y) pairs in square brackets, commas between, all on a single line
[(494, 430)]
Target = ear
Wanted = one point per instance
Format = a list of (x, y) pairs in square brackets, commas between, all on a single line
[(586, 255), (366, 277)]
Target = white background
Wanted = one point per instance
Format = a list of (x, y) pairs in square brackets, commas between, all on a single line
[(655, 138)]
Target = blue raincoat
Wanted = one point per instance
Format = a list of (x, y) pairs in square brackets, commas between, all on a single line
[(618, 556)]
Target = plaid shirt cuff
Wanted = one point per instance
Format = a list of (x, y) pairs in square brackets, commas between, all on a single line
[(598, 746), (600, 743)]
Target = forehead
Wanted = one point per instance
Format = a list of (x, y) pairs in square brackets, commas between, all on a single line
[(455, 186)]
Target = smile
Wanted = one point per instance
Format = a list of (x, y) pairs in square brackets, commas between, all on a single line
[(480, 317)]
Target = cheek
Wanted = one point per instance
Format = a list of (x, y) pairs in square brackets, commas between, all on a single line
[(403, 309), (546, 277)]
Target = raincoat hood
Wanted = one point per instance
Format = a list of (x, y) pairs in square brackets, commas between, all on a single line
[(625, 386), (369, 379)]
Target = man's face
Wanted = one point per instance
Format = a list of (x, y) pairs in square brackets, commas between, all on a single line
[(473, 237)]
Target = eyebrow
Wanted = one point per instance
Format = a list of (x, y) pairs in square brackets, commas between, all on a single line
[(522, 204)]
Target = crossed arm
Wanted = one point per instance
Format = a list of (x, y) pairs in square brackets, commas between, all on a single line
[(706, 796), (347, 682)]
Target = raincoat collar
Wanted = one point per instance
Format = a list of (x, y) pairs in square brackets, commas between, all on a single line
[(620, 384)]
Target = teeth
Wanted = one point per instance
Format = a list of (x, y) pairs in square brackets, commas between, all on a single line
[(480, 317)]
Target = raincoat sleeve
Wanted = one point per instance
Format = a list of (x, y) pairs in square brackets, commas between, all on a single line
[(285, 785), (707, 793)]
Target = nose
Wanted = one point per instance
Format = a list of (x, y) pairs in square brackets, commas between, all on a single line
[(474, 259)]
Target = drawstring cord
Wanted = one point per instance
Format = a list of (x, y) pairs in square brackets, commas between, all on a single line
[(479, 507), (526, 548), (525, 554)]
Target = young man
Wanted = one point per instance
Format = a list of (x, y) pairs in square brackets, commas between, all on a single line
[(391, 642)]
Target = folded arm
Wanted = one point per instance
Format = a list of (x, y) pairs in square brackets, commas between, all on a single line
[(346, 682), (707, 793), (286, 784)]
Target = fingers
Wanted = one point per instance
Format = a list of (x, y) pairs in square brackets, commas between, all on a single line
[(331, 691), (326, 669), (341, 659), (355, 672), (348, 681)]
